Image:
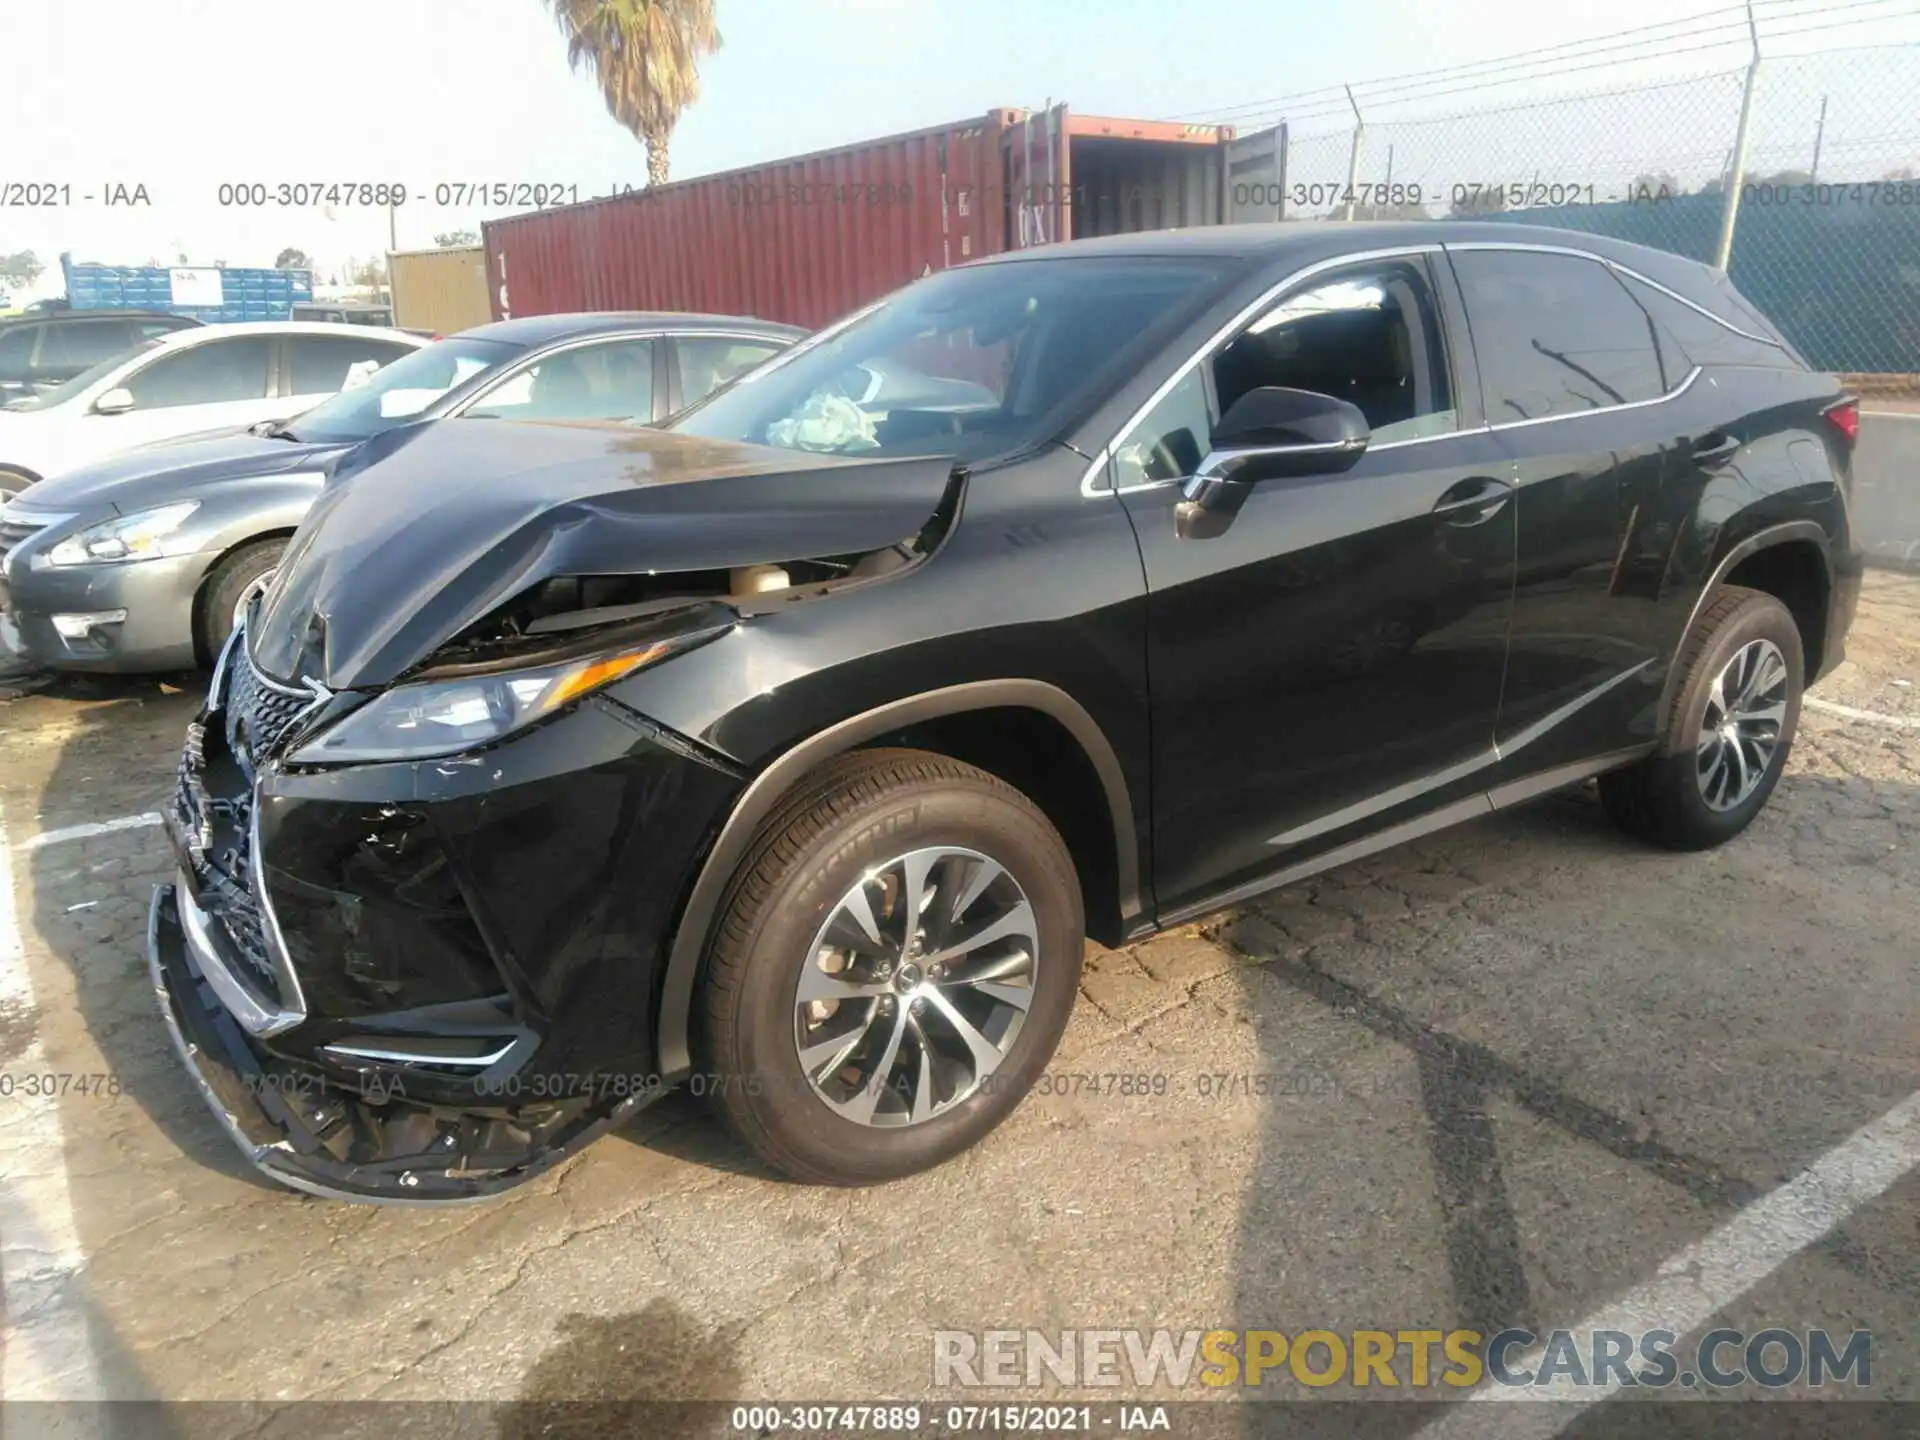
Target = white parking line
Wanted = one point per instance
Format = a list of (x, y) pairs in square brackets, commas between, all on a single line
[(1706, 1277), (48, 1354), (87, 832), (1893, 414), (1847, 712)]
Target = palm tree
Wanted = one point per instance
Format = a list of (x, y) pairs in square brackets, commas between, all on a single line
[(646, 56)]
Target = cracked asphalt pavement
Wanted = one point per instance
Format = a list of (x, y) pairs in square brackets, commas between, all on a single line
[(1513, 1066)]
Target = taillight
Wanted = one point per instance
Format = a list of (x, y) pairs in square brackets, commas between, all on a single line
[(1844, 416)]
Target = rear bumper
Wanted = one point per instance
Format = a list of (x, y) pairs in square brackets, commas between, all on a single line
[(311, 1132)]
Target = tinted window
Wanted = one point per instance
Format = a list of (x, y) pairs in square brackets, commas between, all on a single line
[(16, 346), (1555, 335), (1701, 339), (71, 348), (707, 364), (592, 382), (209, 373), (322, 364), (977, 361), (149, 329)]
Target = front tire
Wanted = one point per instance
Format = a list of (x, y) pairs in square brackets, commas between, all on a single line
[(894, 965), (231, 587), (1729, 733), (13, 483)]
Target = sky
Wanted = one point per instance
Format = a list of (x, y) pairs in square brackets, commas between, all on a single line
[(181, 97)]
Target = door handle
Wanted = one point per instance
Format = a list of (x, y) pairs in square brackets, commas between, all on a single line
[(1472, 501), (1713, 448)]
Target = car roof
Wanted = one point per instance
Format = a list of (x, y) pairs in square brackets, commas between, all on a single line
[(43, 317), (205, 333), (1309, 240), (544, 329)]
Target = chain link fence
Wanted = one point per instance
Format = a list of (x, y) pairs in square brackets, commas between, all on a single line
[(1825, 235)]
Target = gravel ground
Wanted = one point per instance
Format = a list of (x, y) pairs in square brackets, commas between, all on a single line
[(1523, 1062)]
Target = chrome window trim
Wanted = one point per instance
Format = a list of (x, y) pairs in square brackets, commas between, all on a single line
[(1672, 394), (1089, 481)]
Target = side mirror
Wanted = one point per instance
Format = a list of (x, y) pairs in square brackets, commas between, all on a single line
[(116, 401), (1273, 432), (1269, 433)]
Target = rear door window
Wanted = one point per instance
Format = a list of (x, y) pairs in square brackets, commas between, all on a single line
[(327, 364), (1702, 339), (708, 362), (613, 381), (1555, 335)]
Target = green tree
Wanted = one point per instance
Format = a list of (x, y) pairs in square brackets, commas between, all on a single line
[(453, 239), (21, 268), (645, 55), (292, 259)]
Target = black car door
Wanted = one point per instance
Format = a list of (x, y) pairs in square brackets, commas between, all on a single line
[(1578, 393), (1331, 660)]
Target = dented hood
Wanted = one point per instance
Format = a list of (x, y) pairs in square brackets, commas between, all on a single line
[(416, 544)]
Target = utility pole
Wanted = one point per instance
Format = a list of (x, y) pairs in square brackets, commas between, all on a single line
[(1819, 133), (1737, 169)]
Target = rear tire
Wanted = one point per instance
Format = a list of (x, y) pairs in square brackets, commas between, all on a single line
[(1729, 733), (866, 831), (232, 582)]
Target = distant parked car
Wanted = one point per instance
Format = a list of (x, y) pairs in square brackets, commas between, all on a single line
[(204, 378), (40, 351), (142, 561), (343, 312)]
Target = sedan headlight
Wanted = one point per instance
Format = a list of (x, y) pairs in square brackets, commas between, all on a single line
[(143, 535), (413, 722)]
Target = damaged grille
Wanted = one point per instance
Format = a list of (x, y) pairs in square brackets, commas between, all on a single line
[(246, 723), (257, 714)]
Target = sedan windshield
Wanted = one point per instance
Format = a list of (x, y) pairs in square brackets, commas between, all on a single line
[(79, 385), (400, 392), (983, 360)]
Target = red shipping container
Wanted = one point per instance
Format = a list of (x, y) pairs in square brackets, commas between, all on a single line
[(807, 239)]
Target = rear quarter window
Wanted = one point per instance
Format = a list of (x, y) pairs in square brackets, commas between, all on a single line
[(1707, 341)]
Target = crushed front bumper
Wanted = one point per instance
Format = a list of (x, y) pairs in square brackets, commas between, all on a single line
[(310, 1132)]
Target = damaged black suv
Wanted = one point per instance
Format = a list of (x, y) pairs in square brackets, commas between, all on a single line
[(791, 753)]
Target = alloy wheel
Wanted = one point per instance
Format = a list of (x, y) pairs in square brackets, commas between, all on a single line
[(1740, 729), (916, 987)]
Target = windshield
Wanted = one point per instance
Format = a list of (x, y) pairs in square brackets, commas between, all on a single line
[(983, 360), (81, 383), (399, 392)]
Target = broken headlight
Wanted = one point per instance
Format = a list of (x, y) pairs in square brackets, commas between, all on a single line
[(444, 717)]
